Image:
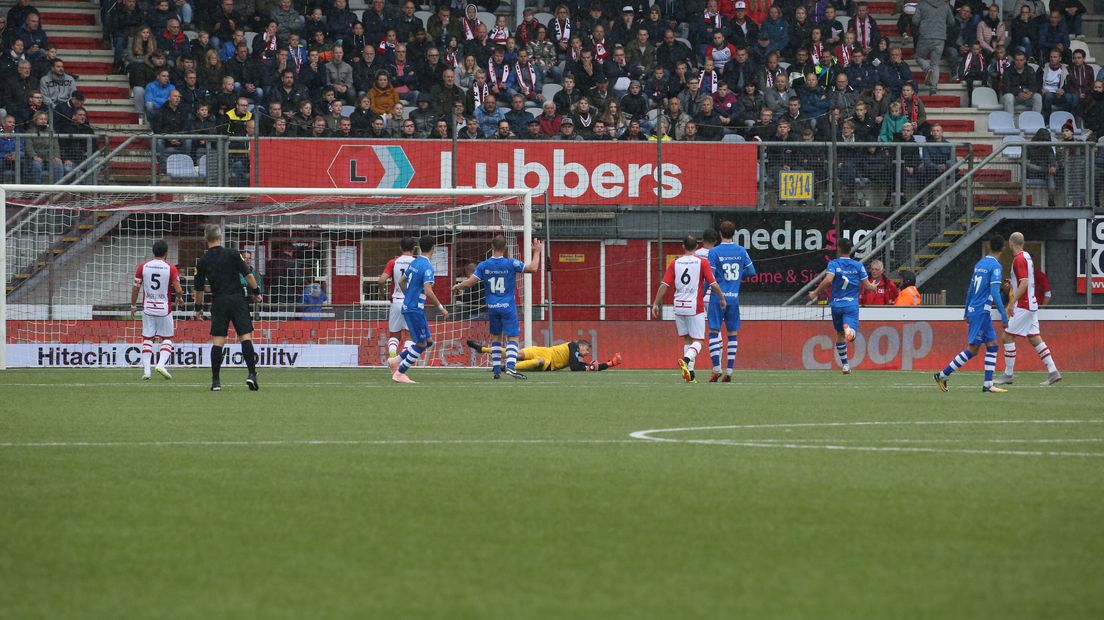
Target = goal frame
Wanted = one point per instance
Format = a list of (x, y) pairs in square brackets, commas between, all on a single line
[(525, 195)]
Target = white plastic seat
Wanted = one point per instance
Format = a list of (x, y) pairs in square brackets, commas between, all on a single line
[(1059, 118), (732, 137), (202, 165), (1016, 150), (347, 110), (1030, 122), (985, 99), (488, 19), (550, 91), (1076, 44), (1001, 123), (180, 166)]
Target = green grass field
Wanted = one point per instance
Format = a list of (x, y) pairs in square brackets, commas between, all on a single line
[(335, 493)]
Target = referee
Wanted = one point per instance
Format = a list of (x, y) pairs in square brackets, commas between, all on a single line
[(221, 268)]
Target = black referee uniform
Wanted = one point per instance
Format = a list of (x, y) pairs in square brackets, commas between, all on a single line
[(222, 269)]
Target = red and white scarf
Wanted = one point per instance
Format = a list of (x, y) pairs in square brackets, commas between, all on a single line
[(815, 52), (499, 35), (479, 93), (715, 18), (601, 52), (972, 59), (845, 55), (712, 81), (862, 33), (493, 74), (563, 30), (521, 71), (470, 27)]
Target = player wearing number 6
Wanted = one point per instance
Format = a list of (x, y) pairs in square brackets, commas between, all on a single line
[(499, 276), (845, 275), (154, 278), (730, 264), (691, 272)]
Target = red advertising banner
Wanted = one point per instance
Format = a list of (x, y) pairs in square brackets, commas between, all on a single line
[(584, 173), (764, 344)]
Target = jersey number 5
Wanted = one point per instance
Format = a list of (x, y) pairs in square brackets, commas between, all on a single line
[(497, 285), (155, 281)]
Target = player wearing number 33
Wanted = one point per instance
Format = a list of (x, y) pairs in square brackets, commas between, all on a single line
[(845, 275), (688, 274), (499, 276), (730, 264)]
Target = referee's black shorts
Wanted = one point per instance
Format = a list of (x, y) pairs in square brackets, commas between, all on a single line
[(230, 309)]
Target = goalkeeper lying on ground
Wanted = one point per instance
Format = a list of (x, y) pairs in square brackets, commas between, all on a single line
[(567, 355)]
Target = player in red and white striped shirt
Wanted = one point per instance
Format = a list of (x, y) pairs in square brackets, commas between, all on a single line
[(688, 274), (154, 279), (1023, 315), (394, 271)]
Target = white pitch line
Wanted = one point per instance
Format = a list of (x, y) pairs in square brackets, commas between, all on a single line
[(648, 435), (308, 442), (538, 383)]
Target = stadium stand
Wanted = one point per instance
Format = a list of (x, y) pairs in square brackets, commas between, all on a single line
[(234, 53)]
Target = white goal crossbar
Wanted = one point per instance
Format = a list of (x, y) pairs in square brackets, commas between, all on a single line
[(524, 196)]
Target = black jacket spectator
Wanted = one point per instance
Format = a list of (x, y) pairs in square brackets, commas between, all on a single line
[(170, 120)]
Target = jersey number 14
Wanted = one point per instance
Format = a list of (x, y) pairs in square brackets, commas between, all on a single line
[(497, 285)]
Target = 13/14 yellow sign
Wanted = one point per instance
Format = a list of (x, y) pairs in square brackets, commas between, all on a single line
[(794, 185)]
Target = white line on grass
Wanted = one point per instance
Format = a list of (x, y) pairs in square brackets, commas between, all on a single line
[(538, 383), (648, 435), (306, 442)]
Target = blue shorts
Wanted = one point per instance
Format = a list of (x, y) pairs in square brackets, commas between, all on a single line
[(417, 325), (730, 316), (981, 329), (845, 315), (504, 321)]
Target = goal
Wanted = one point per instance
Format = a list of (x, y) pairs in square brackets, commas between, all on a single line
[(68, 256)]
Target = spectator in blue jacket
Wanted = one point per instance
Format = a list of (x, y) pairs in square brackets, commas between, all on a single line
[(776, 28), (894, 73), (1053, 35), (313, 298), (34, 37), (157, 92), (814, 98), (488, 115), (9, 148)]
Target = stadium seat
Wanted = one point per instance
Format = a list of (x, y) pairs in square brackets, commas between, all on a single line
[(191, 34), (920, 139), (347, 110), (1013, 152), (732, 137), (180, 166), (550, 91), (1034, 67), (1081, 45), (423, 15), (203, 165), (985, 99), (1059, 118), (1030, 122), (785, 66), (486, 18), (653, 114), (249, 36), (543, 18), (621, 84), (1001, 124), (845, 20), (685, 42)]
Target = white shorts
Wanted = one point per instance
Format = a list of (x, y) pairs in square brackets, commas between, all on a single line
[(1023, 322), (395, 321), (158, 326), (692, 325)]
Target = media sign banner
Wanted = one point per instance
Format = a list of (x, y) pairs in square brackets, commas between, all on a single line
[(583, 173), (86, 355), (1097, 254)]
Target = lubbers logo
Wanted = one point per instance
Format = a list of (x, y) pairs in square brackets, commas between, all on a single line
[(385, 167)]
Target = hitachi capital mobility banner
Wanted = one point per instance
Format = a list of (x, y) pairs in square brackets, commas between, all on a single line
[(184, 354), (585, 173)]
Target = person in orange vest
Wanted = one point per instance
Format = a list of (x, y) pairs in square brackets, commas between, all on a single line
[(909, 295)]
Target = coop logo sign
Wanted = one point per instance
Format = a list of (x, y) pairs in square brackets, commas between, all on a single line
[(385, 167), (691, 174), (902, 344)]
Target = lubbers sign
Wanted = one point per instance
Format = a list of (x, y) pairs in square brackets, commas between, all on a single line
[(587, 173)]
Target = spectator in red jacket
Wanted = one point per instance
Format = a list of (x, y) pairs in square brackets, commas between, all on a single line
[(1042, 288), (886, 292)]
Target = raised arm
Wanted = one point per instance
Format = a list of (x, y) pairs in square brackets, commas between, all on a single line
[(466, 283), (534, 261)]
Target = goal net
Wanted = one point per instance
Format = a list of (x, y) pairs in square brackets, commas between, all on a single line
[(69, 255)]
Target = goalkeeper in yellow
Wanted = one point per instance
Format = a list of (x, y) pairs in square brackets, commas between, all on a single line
[(567, 355)]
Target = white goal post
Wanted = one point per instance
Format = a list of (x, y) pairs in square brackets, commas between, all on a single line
[(369, 211)]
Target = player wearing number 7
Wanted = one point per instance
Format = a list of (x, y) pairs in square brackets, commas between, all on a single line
[(730, 263), (499, 275), (845, 275), (692, 271), (417, 285)]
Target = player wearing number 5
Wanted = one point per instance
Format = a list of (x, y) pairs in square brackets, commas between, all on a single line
[(499, 275), (691, 272), (154, 278), (845, 275), (417, 285), (730, 264)]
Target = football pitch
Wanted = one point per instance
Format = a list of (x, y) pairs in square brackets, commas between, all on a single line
[(620, 494)]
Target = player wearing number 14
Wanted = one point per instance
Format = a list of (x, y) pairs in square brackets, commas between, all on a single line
[(499, 276)]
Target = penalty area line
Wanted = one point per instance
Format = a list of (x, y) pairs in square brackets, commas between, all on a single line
[(310, 442)]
